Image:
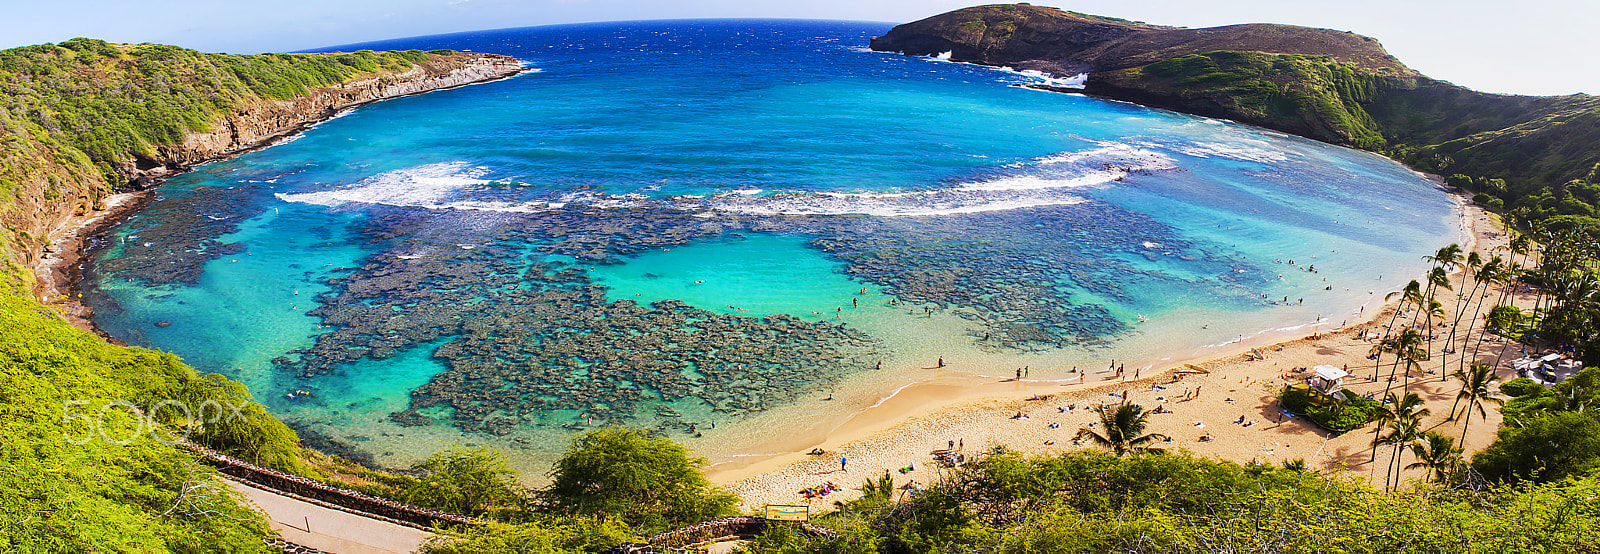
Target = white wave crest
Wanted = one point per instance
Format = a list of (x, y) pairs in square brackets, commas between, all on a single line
[(1045, 181), (1242, 150), (422, 186), (921, 203)]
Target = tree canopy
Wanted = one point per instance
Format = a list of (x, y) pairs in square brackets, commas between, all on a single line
[(626, 474)]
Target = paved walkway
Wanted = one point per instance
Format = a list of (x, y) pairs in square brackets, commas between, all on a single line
[(330, 530)]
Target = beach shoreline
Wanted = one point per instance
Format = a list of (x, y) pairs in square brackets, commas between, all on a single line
[(903, 432), (59, 272)]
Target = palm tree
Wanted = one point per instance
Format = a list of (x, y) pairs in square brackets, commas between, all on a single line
[(1404, 417), (1477, 390), (1491, 273), (1505, 318), (1407, 347), (1412, 294), (1472, 276), (1437, 279), (1123, 426), (1438, 454)]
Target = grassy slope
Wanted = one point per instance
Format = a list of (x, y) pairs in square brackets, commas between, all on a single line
[(71, 117), (101, 494)]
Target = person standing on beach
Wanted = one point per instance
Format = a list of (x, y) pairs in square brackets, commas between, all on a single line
[(842, 462)]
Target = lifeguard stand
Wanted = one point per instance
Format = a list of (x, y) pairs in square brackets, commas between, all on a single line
[(1328, 379)]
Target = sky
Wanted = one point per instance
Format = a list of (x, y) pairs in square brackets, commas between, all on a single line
[(1540, 47)]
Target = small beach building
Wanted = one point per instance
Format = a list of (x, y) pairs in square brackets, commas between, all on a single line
[(1327, 379), (1548, 369)]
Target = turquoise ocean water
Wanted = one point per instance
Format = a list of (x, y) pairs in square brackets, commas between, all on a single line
[(673, 223)]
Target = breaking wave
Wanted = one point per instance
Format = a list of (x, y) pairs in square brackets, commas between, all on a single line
[(1045, 181)]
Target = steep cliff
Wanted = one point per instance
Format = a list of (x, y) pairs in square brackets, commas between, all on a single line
[(1535, 153), (85, 118), (256, 123)]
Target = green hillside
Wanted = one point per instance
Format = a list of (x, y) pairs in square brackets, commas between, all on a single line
[(81, 472), (82, 469), (1536, 154), (82, 117)]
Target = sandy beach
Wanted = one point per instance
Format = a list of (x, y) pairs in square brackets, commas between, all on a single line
[(60, 268), (1205, 396)]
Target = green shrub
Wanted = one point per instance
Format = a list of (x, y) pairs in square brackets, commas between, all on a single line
[(1334, 415), (649, 483), (81, 470), (1547, 447), (464, 481), (1521, 386)]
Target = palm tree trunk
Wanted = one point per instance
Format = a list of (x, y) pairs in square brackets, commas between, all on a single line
[(1378, 361), (1394, 468), (1470, 324), (1461, 353)]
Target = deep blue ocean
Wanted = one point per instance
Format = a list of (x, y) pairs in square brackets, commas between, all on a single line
[(670, 224)]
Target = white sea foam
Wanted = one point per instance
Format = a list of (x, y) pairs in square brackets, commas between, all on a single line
[(1046, 181), (1032, 76), (1239, 149), (433, 186)]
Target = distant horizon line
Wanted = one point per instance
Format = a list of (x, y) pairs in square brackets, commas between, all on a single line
[(323, 49)]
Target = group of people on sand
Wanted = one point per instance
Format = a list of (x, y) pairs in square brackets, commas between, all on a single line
[(820, 490)]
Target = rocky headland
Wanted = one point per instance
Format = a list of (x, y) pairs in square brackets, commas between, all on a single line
[(1332, 86)]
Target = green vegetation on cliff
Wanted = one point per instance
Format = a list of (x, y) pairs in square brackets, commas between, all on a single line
[(98, 104), (82, 117), (1323, 95), (81, 471), (1538, 154), (88, 462)]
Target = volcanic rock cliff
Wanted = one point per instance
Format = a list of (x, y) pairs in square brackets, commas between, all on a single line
[(1333, 86), (255, 124)]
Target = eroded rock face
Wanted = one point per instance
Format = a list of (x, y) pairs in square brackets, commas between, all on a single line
[(251, 125)]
